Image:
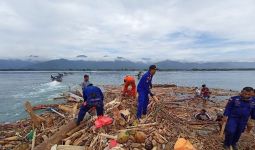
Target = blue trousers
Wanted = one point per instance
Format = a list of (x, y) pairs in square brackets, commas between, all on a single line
[(234, 128), (86, 108), (143, 101)]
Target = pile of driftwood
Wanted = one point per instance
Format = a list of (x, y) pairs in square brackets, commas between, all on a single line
[(167, 120)]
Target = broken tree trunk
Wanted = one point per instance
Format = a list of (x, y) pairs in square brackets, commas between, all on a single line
[(57, 137), (36, 119), (74, 98), (69, 147), (222, 129)]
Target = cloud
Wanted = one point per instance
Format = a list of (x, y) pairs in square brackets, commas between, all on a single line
[(33, 56), (194, 30), (81, 56)]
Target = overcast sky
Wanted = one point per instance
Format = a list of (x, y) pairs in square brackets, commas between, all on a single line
[(185, 30)]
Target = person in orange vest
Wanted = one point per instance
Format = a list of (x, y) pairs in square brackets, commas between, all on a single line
[(129, 81)]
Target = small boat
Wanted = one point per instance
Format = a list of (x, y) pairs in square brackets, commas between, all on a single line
[(60, 74), (57, 78)]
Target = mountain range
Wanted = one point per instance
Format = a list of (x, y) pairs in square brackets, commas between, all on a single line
[(65, 64)]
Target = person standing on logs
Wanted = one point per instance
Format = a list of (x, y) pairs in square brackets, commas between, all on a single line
[(144, 89), (205, 94), (139, 75), (237, 113), (86, 82)]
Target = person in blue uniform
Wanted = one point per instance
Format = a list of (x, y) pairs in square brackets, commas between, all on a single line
[(237, 113), (93, 97), (144, 89)]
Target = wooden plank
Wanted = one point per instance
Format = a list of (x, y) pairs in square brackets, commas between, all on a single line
[(222, 129), (57, 137), (70, 147)]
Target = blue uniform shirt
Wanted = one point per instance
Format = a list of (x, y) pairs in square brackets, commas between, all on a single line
[(93, 95), (145, 83), (238, 108)]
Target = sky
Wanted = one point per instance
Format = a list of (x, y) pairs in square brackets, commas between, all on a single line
[(137, 30)]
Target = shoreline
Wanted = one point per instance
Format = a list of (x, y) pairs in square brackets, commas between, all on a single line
[(116, 70), (176, 102), (57, 99)]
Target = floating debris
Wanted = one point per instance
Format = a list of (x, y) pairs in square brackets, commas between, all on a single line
[(169, 119)]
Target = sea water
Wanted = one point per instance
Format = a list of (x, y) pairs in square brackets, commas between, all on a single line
[(17, 87)]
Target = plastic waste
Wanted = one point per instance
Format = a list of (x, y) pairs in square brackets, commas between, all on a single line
[(103, 121), (183, 144), (112, 144)]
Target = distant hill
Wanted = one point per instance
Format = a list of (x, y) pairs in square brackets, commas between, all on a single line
[(14, 64), (64, 64)]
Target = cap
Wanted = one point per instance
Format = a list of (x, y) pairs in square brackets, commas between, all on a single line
[(154, 67), (248, 89), (85, 76)]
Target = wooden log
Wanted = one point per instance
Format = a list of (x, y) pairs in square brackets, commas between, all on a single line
[(155, 98), (57, 137), (44, 106), (68, 109), (78, 141), (74, 110), (76, 134), (94, 141), (164, 85), (79, 92), (54, 147), (44, 137), (250, 125), (37, 120), (13, 138), (74, 98), (77, 128), (203, 123), (223, 129), (9, 139), (143, 125), (68, 142), (65, 108), (53, 110), (60, 97), (108, 136), (70, 147)]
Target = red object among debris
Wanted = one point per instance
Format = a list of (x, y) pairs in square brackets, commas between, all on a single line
[(112, 144), (103, 121)]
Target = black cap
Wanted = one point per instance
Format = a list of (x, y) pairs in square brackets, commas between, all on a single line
[(248, 89), (153, 67), (86, 76)]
